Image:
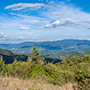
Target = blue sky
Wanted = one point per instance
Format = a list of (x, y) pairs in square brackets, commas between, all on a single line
[(44, 20)]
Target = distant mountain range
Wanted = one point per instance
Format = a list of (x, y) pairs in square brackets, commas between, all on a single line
[(67, 47)]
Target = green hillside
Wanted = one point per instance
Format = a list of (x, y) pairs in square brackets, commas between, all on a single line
[(9, 56)]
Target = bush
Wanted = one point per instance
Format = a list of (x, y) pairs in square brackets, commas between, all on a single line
[(83, 78), (85, 58), (36, 71), (68, 76), (2, 65), (55, 77)]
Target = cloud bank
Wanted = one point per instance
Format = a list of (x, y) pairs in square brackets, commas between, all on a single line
[(21, 6)]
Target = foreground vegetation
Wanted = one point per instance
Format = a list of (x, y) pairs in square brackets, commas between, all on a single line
[(74, 70), (13, 83)]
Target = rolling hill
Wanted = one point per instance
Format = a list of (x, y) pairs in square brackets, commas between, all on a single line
[(57, 49)]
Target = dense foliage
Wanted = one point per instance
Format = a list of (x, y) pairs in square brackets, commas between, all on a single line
[(75, 70)]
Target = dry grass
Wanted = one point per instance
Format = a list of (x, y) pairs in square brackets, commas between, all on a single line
[(10, 83)]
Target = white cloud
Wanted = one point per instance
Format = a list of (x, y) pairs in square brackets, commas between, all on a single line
[(88, 27), (61, 23), (29, 6), (3, 35), (21, 38), (25, 28)]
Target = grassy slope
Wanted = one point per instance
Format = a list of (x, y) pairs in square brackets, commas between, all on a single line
[(9, 83)]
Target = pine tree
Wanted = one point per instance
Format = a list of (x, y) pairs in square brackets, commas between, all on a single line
[(35, 54), (36, 57)]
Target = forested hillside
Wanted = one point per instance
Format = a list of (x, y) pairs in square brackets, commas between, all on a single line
[(9, 57)]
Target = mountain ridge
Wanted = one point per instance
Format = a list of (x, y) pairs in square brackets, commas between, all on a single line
[(66, 47)]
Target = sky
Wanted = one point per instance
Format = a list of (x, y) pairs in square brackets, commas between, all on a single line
[(44, 20)]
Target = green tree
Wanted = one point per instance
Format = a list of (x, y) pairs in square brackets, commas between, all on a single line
[(36, 57), (82, 77), (35, 54), (2, 65)]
